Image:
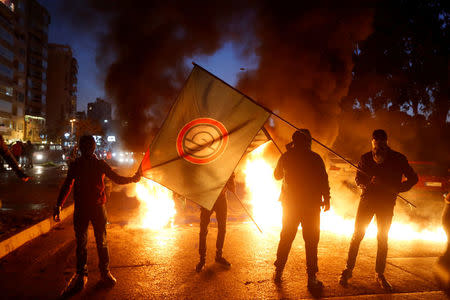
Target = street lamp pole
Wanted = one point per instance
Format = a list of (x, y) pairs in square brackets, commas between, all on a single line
[(71, 125)]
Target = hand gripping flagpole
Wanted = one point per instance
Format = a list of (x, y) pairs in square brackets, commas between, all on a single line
[(243, 206)]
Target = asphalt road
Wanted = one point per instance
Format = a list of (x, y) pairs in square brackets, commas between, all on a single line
[(23, 204), (160, 264)]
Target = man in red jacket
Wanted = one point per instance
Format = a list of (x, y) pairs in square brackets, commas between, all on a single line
[(86, 174)]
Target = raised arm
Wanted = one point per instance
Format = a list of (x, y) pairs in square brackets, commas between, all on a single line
[(118, 179), (11, 161)]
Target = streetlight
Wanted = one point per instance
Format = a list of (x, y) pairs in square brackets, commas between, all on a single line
[(71, 125)]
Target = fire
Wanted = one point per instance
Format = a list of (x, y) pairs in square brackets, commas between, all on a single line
[(263, 192), (262, 188), (157, 209)]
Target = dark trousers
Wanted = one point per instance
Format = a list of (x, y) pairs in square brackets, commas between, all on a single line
[(364, 215), (220, 207), (310, 220), (97, 216)]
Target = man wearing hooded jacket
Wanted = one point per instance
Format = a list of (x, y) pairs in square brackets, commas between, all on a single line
[(305, 190), (379, 176)]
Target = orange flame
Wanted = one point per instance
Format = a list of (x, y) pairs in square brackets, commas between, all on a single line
[(263, 192), (157, 208)]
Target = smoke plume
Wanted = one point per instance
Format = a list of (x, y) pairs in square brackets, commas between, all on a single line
[(304, 52), (306, 63)]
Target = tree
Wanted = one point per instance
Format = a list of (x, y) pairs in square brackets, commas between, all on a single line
[(403, 65)]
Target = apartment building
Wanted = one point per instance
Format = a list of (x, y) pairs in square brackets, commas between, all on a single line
[(23, 68), (62, 90)]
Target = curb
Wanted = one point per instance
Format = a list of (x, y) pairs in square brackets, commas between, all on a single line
[(9, 245)]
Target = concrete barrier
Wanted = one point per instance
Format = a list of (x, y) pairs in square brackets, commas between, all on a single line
[(17, 240)]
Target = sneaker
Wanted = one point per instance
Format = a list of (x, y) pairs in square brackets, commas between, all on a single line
[(221, 260), (76, 284), (345, 276), (384, 284), (314, 283), (108, 279), (200, 265)]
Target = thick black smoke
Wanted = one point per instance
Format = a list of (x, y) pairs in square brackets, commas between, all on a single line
[(306, 63), (304, 52)]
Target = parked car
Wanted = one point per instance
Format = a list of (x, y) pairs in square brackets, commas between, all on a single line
[(433, 177)]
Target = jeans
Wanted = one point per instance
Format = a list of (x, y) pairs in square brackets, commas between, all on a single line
[(97, 216), (220, 207), (310, 220), (364, 215)]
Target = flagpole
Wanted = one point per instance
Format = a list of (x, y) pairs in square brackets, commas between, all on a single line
[(248, 213), (296, 128), (270, 138)]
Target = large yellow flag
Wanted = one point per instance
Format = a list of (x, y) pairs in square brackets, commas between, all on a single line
[(206, 133)]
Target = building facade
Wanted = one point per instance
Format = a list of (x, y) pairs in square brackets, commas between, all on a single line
[(36, 24), (100, 111), (62, 74), (23, 68), (12, 68)]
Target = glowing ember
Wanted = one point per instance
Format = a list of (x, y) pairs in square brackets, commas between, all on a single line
[(157, 208), (263, 192)]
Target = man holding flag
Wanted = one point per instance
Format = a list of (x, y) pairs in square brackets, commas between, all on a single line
[(220, 207), (203, 138)]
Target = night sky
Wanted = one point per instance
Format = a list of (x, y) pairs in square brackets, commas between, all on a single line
[(225, 63)]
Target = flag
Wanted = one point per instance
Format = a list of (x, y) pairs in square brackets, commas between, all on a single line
[(204, 136)]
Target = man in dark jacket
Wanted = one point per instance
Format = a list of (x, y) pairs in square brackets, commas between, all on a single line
[(220, 207), (379, 176), (10, 160), (305, 190), (86, 174)]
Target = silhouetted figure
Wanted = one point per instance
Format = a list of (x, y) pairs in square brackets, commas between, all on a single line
[(220, 207), (28, 151), (305, 190), (10, 160), (442, 268), (17, 150), (86, 174), (380, 179)]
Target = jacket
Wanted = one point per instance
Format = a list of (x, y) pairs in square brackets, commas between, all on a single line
[(86, 174), (388, 177), (305, 180)]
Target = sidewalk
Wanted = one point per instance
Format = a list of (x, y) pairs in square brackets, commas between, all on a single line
[(160, 264)]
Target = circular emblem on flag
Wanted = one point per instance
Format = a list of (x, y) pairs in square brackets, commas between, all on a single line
[(202, 140)]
